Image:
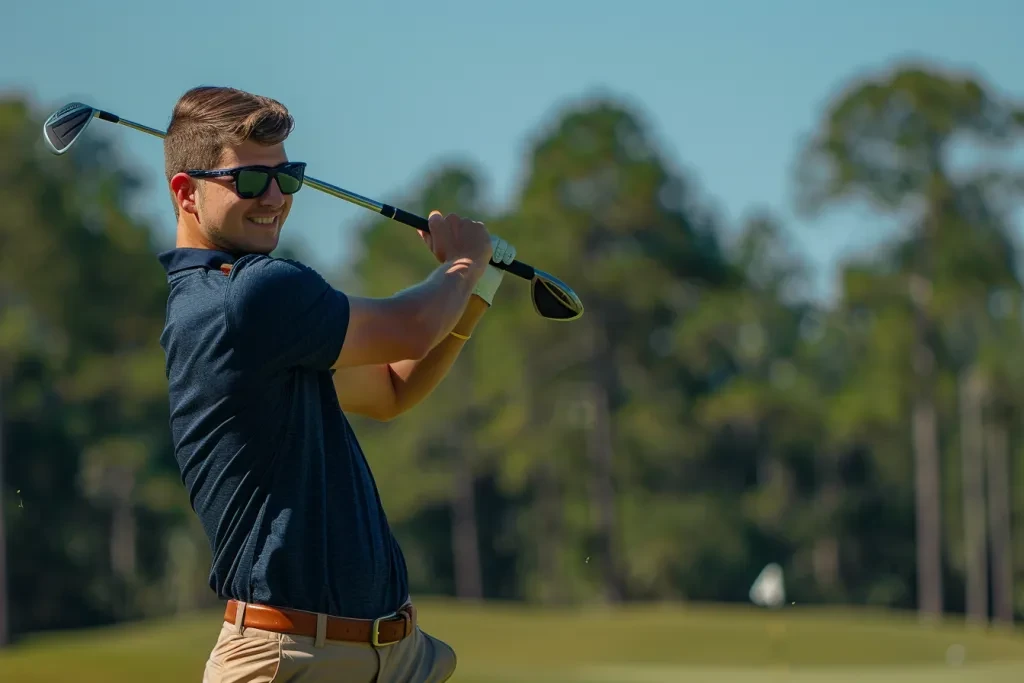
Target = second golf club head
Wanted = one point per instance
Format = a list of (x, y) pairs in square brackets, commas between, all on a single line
[(66, 125), (553, 299)]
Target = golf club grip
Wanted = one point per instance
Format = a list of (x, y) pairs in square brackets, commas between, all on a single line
[(517, 268)]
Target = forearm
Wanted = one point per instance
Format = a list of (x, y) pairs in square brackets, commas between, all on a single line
[(439, 303), (414, 380)]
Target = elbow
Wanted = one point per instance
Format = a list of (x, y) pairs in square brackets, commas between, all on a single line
[(385, 415), (380, 410), (387, 412)]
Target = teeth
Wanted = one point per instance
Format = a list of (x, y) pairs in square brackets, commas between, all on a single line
[(264, 220)]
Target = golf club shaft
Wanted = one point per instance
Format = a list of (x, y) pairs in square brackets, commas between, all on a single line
[(517, 268)]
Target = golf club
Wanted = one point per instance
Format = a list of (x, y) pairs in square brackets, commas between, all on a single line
[(552, 298)]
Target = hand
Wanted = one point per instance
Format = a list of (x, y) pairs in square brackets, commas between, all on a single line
[(452, 238), (488, 284)]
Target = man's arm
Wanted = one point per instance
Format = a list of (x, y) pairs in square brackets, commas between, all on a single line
[(385, 391), (410, 323), (283, 315)]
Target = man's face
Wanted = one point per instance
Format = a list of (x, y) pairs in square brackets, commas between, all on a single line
[(243, 225)]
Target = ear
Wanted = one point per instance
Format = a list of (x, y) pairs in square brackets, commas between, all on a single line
[(185, 192)]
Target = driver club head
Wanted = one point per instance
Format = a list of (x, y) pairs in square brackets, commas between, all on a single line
[(64, 126), (553, 299)]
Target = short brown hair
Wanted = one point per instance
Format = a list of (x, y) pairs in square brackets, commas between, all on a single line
[(206, 119)]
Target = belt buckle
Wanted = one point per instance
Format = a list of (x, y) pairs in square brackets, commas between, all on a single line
[(375, 635)]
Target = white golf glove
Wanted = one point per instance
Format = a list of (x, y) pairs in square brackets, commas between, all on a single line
[(491, 279)]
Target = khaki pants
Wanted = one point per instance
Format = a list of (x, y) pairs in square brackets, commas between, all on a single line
[(252, 655)]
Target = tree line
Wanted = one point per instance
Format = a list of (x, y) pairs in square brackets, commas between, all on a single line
[(707, 416)]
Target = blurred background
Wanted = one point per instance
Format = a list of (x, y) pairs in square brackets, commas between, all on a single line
[(785, 441)]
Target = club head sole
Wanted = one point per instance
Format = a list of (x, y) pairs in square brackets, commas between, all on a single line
[(553, 299), (63, 128)]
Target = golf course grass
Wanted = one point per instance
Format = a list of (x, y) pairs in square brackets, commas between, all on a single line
[(513, 644)]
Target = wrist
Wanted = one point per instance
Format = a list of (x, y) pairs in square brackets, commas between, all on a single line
[(466, 269), (474, 312), (487, 286)]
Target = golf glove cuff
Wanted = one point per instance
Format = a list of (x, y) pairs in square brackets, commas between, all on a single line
[(488, 284)]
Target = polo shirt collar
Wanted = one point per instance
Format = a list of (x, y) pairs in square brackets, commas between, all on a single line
[(184, 258)]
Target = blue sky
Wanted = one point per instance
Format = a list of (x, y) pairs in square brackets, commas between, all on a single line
[(384, 91)]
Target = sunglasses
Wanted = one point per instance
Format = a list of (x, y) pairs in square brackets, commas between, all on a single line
[(253, 181)]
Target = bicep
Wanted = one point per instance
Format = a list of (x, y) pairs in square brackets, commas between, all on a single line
[(366, 390), (379, 331)]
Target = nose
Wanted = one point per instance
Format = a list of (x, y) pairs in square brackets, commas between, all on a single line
[(273, 197)]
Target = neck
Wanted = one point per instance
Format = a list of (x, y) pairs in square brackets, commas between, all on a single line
[(190, 237)]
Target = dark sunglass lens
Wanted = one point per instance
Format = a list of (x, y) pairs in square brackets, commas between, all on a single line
[(290, 180), (251, 183)]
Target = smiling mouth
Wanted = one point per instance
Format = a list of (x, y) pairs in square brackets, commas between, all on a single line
[(265, 221)]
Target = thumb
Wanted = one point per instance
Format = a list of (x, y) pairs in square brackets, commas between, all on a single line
[(432, 222)]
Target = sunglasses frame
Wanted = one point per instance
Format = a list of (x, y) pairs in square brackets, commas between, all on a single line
[(271, 174)]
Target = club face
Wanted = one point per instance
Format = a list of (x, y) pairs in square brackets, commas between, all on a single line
[(66, 125), (553, 299)]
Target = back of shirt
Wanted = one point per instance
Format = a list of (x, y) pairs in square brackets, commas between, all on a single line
[(272, 466)]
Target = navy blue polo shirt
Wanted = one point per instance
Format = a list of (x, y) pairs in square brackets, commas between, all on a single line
[(271, 465)]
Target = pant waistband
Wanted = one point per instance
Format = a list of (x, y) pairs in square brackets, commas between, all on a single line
[(386, 630)]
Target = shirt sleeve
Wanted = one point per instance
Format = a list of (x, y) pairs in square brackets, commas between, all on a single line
[(285, 315)]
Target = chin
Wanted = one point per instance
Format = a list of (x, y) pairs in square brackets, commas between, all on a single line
[(250, 246), (264, 243), (264, 249)]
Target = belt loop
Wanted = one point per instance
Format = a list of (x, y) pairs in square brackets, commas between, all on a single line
[(240, 617), (321, 630)]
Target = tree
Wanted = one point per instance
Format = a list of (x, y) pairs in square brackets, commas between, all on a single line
[(629, 233), (5, 633), (83, 299), (887, 140)]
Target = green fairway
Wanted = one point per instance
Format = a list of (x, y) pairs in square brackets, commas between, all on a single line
[(509, 644)]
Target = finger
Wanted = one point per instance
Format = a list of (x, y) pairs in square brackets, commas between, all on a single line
[(484, 234), (438, 233), (434, 218)]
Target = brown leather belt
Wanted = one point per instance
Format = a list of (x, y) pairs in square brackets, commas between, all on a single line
[(385, 630)]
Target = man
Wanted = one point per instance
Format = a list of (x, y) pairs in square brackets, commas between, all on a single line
[(264, 358)]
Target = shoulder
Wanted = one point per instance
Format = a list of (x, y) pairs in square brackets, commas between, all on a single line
[(259, 275), (262, 286), (259, 269)]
